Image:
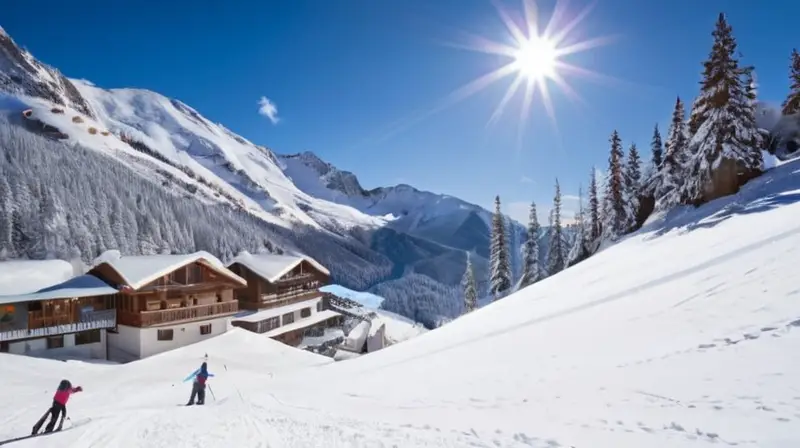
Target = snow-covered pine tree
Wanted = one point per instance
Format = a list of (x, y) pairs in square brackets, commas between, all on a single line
[(761, 136), (722, 130), (500, 268), (633, 183), (579, 250), (531, 271), (594, 209), (792, 103), (556, 250), (671, 175), (650, 176), (470, 287), (614, 210)]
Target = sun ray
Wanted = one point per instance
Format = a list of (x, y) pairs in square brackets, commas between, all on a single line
[(512, 89)]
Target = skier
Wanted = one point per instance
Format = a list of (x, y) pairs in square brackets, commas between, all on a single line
[(199, 384), (59, 407)]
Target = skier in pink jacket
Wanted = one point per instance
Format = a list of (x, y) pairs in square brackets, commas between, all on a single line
[(59, 407)]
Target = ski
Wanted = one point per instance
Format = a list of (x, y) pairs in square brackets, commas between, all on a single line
[(59, 429)]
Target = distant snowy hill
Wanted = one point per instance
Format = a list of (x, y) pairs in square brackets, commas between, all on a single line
[(408, 244)]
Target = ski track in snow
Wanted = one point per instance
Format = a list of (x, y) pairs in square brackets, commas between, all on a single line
[(682, 335)]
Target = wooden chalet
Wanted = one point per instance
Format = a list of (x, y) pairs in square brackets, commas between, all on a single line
[(68, 315), (282, 296), (157, 290)]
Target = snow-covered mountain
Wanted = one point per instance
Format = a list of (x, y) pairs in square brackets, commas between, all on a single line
[(400, 240), (683, 334)]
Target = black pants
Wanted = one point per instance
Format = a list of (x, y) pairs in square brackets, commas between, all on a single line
[(199, 391), (56, 410)]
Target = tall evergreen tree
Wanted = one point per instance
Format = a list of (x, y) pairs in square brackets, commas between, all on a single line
[(580, 245), (722, 129), (500, 268), (556, 250), (792, 103), (633, 183), (671, 175), (760, 136), (531, 271), (656, 149), (594, 208), (614, 209), (470, 287)]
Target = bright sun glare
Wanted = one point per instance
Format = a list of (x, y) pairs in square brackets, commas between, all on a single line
[(536, 59)]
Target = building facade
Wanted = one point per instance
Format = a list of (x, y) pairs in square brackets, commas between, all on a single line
[(69, 319), (282, 297), (167, 301)]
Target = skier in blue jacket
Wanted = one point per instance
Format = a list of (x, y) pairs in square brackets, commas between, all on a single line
[(199, 384)]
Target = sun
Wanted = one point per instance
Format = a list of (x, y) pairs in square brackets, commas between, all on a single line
[(536, 59)]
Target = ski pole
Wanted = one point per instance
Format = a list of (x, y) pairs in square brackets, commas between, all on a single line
[(212, 393)]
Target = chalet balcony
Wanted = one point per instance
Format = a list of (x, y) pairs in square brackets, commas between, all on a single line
[(276, 300), (177, 315), (183, 288), (295, 280), (39, 325)]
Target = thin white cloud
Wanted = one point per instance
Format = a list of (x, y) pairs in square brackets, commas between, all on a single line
[(570, 197), (526, 180), (268, 109)]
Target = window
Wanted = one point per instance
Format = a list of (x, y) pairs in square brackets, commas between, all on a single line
[(269, 324), (288, 318), (55, 341), (205, 329), (4, 347), (87, 337), (305, 312), (319, 306), (165, 335)]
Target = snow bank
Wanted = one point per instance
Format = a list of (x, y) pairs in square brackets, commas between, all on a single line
[(366, 299), (26, 276)]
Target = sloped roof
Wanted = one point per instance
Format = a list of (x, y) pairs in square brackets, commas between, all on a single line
[(139, 270), (80, 286), (271, 267)]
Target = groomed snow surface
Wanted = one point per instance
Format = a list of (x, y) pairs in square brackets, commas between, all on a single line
[(685, 334)]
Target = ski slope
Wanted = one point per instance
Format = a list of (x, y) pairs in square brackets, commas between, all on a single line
[(685, 334)]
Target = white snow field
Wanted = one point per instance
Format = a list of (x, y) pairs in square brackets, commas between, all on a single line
[(685, 334)]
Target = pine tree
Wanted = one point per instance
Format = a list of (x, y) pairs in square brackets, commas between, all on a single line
[(671, 175), (580, 246), (470, 287), (614, 210), (722, 129), (792, 103), (531, 271), (657, 150), (633, 181), (755, 158), (556, 250), (500, 270), (594, 208)]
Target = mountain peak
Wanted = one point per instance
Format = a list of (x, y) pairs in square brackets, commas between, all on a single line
[(21, 73)]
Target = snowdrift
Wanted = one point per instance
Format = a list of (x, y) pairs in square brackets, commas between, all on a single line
[(684, 334)]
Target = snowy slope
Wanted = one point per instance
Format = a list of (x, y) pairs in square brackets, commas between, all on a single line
[(682, 335)]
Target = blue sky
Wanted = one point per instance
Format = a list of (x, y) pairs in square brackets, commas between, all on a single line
[(342, 75)]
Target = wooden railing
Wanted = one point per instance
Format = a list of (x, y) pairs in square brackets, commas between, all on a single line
[(302, 278), (274, 301), (39, 326), (175, 315)]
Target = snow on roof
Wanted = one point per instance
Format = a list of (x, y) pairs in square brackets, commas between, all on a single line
[(26, 276), (137, 271), (303, 323), (81, 286), (279, 311), (271, 267)]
